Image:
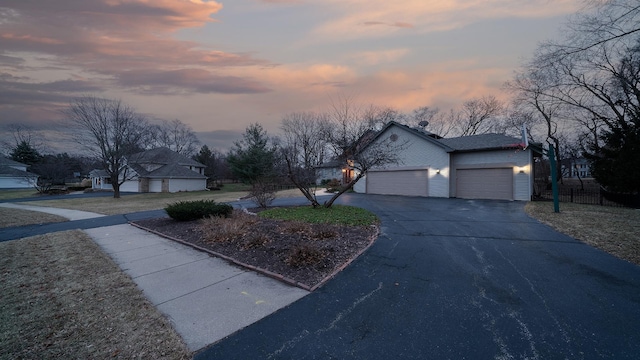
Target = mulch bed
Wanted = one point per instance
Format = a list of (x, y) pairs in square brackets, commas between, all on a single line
[(306, 258)]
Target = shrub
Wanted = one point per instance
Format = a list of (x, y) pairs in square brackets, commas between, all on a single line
[(199, 209), (333, 185), (304, 255), (262, 194), (217, 229)]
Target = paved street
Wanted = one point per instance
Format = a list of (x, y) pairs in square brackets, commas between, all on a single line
[(457, 279)]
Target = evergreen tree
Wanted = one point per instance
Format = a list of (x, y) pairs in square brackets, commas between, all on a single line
[(25, 153), (252, 159), (616, 165)]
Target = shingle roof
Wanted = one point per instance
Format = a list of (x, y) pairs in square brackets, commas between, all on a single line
[(482, 142), (174, 171), (8, 171), (8, 162)]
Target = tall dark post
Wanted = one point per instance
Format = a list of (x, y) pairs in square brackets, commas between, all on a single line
[(554, 179)]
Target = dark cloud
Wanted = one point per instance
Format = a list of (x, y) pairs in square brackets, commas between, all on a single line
[(15, 91), (187, 80)]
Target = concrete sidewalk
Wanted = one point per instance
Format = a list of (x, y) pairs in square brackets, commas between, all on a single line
[(205, 298), (69, 214)]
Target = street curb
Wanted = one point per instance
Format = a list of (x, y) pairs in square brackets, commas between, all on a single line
[(265, 272)]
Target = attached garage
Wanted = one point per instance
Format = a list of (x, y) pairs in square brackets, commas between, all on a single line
[(494, 183), (398, 182)]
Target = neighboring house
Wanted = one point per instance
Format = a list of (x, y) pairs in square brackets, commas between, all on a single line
[(488, 166), (14, 175), (576, 168), (156, 170), (330, 170)]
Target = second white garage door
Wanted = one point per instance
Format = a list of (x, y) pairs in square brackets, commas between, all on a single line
[(485, 184), (398, 182)]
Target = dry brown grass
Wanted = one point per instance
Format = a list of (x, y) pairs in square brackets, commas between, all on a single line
[(219, 229), (139, 202), (18, 217), (62, 297), (614, 230), (142, 202)]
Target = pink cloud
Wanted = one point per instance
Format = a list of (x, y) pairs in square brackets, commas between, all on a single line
[(117, 37)]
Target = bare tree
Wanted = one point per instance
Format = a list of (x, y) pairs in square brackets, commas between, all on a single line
[(176, 136), (109, 129), (535, 98), (304, 147), (435, 121), (369, 154), (345, 132), (478, 116)]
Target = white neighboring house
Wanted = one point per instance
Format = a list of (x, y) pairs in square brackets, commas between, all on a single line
[(14, 175), (156, 170), (488, 166)]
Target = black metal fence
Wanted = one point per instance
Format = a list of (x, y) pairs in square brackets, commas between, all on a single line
[(592, 197)]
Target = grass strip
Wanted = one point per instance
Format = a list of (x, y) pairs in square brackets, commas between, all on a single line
[(336, 214), (62, 297)]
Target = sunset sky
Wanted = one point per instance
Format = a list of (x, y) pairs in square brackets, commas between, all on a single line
[(222, 65)]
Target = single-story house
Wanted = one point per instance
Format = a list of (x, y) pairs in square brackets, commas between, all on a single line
[(14, 175), (156, 170), (487, 166)]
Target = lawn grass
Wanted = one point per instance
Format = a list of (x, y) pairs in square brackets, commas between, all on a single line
[(62, 297), (17, 193), (18, 217), (151, 201), (139, 202), (614, 230), (336, 214)]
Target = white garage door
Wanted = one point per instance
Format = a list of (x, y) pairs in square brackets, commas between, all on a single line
[(400, 182), (485, 184)]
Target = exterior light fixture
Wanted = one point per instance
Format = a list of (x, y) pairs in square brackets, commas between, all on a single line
[(437, 171)]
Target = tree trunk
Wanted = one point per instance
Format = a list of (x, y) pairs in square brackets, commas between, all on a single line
[(343, 190), (116, 187)]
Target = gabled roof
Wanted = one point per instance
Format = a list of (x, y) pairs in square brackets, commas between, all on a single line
[(162, 156), (482, 142), (8, 162), (421, 133), (9, 171), (174, 171)]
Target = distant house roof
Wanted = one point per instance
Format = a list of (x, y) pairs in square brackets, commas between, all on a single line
[(331, 164), (8, 162), (11, 172), (171, 164)]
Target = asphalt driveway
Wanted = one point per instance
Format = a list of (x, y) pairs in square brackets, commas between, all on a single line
[(457, 279)]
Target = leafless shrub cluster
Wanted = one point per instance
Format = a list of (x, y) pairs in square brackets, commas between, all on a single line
[(217, 229), (305, 255), (294, 227)]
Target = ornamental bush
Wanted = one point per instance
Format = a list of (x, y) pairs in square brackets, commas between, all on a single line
[(198, 209)]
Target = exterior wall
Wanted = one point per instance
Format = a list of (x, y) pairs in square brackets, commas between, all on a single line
[(518, 160), (329, 173), (15, 183), (176, 185), (419, 154)]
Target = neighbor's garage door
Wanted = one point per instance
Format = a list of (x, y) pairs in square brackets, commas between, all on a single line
[(400, 182), (485, 184)]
